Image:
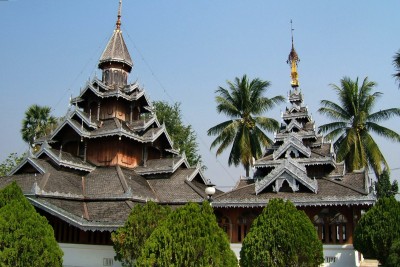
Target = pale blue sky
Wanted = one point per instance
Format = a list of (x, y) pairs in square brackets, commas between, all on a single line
[(183, 50)]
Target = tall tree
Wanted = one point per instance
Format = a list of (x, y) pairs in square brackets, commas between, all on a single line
[(244, 103), (128, 240), (378, 229), (37, 122), (26, 237), (281, 236), (383, 186), (9, 163), (190, 237), (353, 121), (183, 136), (396, 63)]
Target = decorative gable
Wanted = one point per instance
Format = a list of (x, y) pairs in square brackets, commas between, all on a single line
[(288, 171), (292, 144)]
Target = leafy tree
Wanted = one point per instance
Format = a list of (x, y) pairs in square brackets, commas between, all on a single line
[(244, 103), (9, 163), (377, 230), (37, 123), (394, 254), (129, 239), (26, 237), (353, 121), (281, 236), (396, 63), (189, 237), (383, 186), (183, 136)]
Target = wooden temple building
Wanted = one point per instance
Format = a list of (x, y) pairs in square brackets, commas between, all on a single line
[(108, 154), (301, 166)]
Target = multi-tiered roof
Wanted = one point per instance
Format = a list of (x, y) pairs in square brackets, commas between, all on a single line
[(300, 165), (109, 153)]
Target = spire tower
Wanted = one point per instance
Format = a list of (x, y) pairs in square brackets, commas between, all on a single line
[(115, 62), (293, 60)]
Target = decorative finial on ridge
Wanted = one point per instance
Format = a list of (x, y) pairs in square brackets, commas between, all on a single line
[(119, 16), (293, 60)]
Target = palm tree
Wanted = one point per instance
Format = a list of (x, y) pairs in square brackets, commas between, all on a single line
[(353, 121), (244, 102), (37, 123), (396, 63)]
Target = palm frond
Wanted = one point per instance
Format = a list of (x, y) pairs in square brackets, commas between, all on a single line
[(382, 115), (383, 131), (374, 154)]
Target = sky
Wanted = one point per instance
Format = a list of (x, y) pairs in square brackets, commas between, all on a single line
[(183, 50)]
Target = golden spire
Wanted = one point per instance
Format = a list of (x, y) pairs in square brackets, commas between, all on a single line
[(119, 16), (293, 59)]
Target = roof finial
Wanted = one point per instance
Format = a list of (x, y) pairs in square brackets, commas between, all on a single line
[(293, 60), (119, 15)]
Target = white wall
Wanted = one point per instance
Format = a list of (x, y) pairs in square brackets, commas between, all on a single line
[(88, 256), (334, 255)]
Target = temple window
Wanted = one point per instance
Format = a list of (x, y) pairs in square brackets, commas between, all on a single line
[(331, 226)]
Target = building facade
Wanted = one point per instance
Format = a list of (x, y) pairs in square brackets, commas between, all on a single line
[(109, 153), (301, 166)]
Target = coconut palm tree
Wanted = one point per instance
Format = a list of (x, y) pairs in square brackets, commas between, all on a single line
[(37, 123), (353, 121), (396, 63), (244, 103)]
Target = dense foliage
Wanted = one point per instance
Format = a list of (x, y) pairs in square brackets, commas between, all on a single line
[(281, 236), (9, 163), (377, 230), (354, 121), (129, 239), (394, 254), (183, 136), (189, 237), (383, 186), (244, 103), (37, 122), (26, 238)]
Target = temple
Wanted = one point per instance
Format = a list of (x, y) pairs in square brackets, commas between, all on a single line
[(301, 166), (108, 154)]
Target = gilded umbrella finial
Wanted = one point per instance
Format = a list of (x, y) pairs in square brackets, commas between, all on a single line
[(293, 60)]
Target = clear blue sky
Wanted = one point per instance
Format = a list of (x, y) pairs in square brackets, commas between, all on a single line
[(183, 50)]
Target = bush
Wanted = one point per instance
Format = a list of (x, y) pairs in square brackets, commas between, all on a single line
[(26, 238), (281, 236), (378, 229), (129, 239), (189, 237)]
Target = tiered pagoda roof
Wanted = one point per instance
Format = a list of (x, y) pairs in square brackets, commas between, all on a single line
[(299, 166), (107, 154)]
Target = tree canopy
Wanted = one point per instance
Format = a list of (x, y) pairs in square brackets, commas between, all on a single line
[(129, 239), (189, 237), (244, 103), (353, 122), (281, 236), (378, 229), (383, 186), (9, 163), (183, 136), (37, 122), (26, 237)]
